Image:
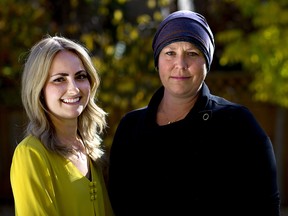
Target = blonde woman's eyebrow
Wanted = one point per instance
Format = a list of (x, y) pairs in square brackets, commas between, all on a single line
[(67, 74)]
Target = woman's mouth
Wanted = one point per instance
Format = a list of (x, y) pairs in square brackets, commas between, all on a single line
[(71, 100)]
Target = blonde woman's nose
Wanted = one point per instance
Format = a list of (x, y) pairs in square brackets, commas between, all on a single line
[(72, 87)]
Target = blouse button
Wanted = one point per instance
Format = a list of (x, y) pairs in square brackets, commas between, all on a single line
[(93, 190)]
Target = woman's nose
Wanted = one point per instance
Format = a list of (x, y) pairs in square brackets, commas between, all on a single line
[(73, 87), (181, 62)]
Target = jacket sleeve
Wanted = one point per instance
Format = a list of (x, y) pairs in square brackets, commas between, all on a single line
[(31, 182)]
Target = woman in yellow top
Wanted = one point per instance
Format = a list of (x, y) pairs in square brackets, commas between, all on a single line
[(57, 168)]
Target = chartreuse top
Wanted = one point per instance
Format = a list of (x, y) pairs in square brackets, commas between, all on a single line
[(45, 183)]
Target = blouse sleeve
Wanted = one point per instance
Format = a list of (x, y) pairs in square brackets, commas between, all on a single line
[(31, 180)]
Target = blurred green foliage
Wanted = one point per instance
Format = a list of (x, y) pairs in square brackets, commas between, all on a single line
[(21, 23), (260, 44)]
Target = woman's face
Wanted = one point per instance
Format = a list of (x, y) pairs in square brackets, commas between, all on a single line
[(182, 69), (67, 88)]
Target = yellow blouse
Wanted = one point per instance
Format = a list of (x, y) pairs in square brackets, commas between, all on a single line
[(45, 183)]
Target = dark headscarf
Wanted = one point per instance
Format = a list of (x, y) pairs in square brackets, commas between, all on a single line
[(186, 26)]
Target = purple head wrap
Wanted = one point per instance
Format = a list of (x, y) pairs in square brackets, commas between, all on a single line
[(186, 26)]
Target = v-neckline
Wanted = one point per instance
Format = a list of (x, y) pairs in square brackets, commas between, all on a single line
[(77, 171)]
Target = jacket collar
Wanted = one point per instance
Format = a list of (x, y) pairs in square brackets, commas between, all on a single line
[(200, 107)]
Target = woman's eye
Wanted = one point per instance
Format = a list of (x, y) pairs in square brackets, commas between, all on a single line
[(60, 79), (170, 53), (192, 53), (82, 76)]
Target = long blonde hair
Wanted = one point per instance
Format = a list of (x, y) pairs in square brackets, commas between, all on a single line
[(91, 122)]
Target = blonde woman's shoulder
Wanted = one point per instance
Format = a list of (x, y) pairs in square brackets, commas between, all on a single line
[(31, 143)]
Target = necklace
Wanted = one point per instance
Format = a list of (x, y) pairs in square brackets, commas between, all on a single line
[(171, 113), (170, 122), (176, 119)]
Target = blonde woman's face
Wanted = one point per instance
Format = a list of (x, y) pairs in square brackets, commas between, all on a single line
[(67, 88)]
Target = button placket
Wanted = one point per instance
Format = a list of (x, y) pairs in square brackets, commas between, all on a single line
[(93, 190)]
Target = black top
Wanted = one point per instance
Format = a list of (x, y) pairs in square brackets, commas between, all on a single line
[(216, 161)]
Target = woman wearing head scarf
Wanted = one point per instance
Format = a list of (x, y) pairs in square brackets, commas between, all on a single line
[(56, 168), (190, 152)]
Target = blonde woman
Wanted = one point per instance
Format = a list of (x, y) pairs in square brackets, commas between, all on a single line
[(56, 168)]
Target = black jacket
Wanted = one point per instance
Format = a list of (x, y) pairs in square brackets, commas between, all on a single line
[(216, 161)]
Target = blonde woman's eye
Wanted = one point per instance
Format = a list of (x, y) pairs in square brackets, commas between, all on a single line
[(82, 76), (60, 79)]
